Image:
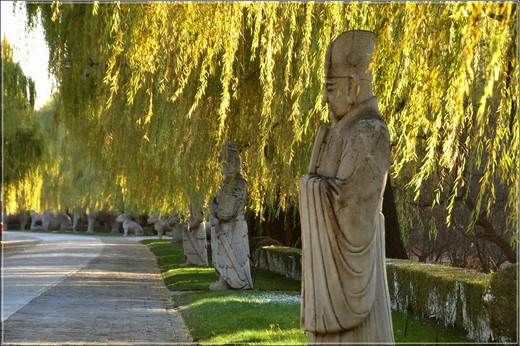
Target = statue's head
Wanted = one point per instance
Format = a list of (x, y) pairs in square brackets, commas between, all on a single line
[(174, 218), (154, 218), (230, 159), (348, 80), (197, 209), (122, 217)]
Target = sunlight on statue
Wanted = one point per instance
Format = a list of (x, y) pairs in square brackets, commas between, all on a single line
[(344, 288)]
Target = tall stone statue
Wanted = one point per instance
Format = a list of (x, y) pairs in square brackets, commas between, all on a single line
[(230, 241), (194, 240), (344, 288)]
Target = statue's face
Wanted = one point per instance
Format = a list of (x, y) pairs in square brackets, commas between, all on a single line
[(227, 169), (227, 166), (338, 96)]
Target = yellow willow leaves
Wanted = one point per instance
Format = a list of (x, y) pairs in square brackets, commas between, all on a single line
[(24, 195), (180, 78), (233, 19)]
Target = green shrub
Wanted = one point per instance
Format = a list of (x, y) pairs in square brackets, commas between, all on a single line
[(453, 296), (258, 242), (502, 304)]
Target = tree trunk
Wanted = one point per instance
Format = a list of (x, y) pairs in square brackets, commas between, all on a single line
[(75, 221), (490, 234), (91, 217), (23, 220), (394, 245)]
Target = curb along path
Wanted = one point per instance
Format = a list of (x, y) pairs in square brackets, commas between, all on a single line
[(119, 297)]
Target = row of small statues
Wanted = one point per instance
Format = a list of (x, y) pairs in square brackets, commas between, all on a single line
[(226, 229)]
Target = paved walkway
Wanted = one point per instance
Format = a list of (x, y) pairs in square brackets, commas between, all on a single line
[(60, 289)]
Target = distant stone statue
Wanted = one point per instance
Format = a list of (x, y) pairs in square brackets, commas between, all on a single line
[(129, 225), (50, 221), (230, 242), (162, 225), (36, 221), (344, 288), (194, 241), (178, 231)]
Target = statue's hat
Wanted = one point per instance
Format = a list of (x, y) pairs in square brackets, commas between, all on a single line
[(230, 146), (229, 153), (350, 52), (229, 150)]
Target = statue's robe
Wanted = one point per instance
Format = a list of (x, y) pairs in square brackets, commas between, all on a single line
[(230, 240), (178, 233), (194, 242), (344, 288)]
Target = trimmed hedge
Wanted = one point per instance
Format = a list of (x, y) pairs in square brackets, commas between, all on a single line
[(258, 242), (267, 253), (502, 304), (480, 304), (452, 296)]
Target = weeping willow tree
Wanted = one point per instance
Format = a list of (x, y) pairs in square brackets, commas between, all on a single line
[(150, 91), (22, 145)]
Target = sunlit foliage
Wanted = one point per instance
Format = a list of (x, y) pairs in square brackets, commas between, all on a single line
[(150, 91), (22, 147)]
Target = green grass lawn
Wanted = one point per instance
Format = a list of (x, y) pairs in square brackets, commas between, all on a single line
[(177, 278), (265, 317), (268, 314)]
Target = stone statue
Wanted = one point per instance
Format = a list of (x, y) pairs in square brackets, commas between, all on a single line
[(194, 240), (344, 288), (36, 221), (50, 221), (129, 225), (162, 225), (230, 242), (178, 230)]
